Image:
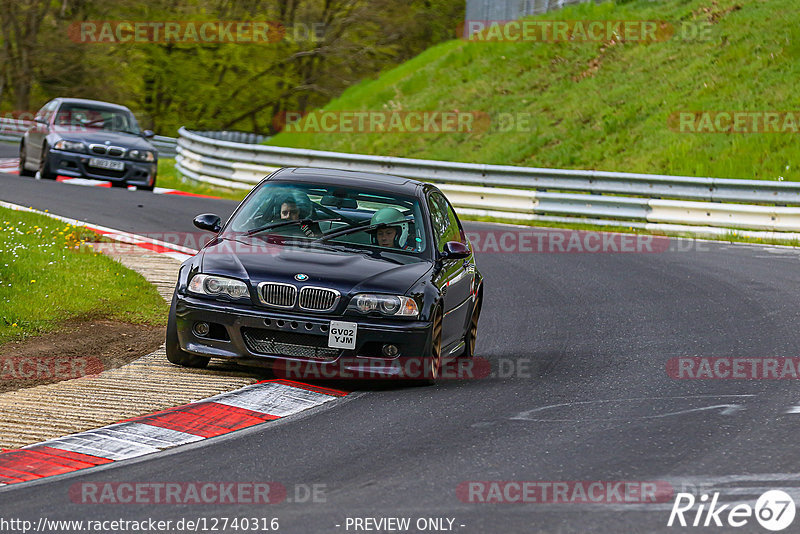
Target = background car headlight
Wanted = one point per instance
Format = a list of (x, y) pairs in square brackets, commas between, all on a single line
[(391, 305), (142, 155), (70, 146), (204, 284)]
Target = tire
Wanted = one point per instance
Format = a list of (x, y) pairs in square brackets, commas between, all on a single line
[(174, 352), (433, 359), (44, 173), (146, 187), (471, 337), (22, 170)]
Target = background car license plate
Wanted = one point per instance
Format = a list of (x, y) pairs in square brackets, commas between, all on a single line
[(107, 164), (342, 335)]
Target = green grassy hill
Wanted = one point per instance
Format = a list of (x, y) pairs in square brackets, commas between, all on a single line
[(596, 105)]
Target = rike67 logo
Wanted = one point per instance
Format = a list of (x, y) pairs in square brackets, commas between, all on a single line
[(774, 510)]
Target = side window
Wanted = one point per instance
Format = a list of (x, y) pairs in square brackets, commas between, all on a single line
[(47, 111), (445, 223), (457, 231)]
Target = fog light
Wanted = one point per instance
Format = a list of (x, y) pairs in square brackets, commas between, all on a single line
[(201, 329), (390, 351)]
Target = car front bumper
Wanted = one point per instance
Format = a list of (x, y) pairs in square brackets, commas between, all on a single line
[(234, 321), (76, 165)]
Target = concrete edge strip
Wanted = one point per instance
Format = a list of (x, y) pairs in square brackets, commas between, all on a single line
[(221, 414), (224, 413)]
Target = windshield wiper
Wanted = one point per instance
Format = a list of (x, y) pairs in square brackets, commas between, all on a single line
[(354, 229), (280, 224)]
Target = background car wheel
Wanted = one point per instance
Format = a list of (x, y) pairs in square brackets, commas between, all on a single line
[(146, 187), (174, 353), (22, 170), (44, 168), (472, 331)]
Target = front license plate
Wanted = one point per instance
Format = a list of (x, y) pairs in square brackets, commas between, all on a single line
[(342, 335), (109, 164)]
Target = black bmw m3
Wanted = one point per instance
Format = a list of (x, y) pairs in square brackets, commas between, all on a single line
[(337, 271)]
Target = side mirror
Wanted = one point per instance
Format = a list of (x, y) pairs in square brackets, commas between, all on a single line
[(208, 221), (455, 250), (40, 120), (148, 134)]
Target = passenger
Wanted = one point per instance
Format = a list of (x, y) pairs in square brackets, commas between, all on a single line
[(390, 236)]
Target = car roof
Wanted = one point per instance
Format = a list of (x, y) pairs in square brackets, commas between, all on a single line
[(86, 101), (368, 180)]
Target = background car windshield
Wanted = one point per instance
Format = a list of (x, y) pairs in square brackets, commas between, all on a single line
[(350, 209), (96, 118)]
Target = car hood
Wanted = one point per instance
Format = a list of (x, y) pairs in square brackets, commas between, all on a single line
[(348, 272), (90, 136)]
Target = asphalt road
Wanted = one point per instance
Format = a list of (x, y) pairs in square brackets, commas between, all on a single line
[(9, 150), (585, 338)]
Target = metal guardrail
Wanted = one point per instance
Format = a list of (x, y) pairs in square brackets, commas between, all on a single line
[(613, 198), (235, 137), (514, 9), (165, 145), (12, 129)]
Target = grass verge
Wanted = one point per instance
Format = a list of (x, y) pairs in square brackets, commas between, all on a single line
[(598, 105), (50, 274)]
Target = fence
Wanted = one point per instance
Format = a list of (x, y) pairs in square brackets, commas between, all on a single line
[(701, 206), (515, 9)]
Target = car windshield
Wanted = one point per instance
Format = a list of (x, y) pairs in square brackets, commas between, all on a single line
[(97, 117), (329, 215)]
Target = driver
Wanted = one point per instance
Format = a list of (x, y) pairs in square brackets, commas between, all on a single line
[(296, 205), (289, 210), (391, 235)]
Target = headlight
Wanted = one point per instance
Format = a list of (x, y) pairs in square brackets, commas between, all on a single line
[(70, 146), (204, 284), (391, 305), (142, 155)]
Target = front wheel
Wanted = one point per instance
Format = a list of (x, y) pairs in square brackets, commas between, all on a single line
[(175, 354), (22, 170), (147, 187), (432, 362), (472, 331), (44, 167)]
